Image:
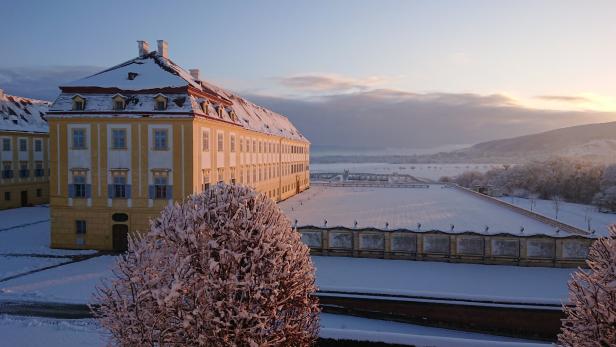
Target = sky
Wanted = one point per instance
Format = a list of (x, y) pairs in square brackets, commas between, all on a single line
[(478, 70)]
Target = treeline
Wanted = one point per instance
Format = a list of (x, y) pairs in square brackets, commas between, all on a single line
[(557, 178)]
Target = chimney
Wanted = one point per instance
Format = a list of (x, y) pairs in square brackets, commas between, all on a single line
[(144, 48), (163, 49), (195, 74)]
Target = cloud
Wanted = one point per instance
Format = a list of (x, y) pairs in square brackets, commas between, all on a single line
[(395, 119), (41, 82), (564, 98), (331, 83)]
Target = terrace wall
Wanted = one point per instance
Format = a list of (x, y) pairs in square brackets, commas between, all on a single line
[(468, 247)]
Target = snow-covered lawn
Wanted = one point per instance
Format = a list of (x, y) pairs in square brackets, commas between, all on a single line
[(570, 213), (31, 332), (71, 283), (428, 171), (436, 208), (10, 266)]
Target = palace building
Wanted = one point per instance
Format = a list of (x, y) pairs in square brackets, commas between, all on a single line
[(24, 152), (134, 138)]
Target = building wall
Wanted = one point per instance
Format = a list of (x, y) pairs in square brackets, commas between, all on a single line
[(185, 164), (35, 184)]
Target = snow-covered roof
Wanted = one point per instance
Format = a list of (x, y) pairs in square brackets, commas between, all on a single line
[(151, 74), (22, 114)]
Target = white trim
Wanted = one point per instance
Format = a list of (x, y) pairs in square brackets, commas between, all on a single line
[(58, 161)]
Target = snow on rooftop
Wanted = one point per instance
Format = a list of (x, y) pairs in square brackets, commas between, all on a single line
[(152, 71), (436, 208), (22, 114)]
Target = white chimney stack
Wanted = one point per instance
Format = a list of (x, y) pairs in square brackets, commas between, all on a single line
[(195, 74), (144, 48), (163, 48)]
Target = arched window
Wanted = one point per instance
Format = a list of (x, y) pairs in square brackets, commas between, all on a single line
[(160, 102), (79, 103)]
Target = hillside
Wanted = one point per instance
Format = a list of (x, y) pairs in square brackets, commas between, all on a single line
[(596, 142)]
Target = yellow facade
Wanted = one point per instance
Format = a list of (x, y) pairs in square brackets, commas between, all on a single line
[(276, 166), (24, 165)]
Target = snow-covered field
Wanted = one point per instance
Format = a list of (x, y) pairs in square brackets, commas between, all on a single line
[(436, 208), (35, 332), (578, 215), (428, 171)]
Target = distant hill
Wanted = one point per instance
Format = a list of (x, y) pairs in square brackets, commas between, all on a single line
[(593, 142), (596, 142)]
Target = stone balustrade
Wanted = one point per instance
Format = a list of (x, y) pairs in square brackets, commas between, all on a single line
[(466, 247)]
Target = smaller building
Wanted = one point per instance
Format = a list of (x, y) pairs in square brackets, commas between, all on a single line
[(24, 151)]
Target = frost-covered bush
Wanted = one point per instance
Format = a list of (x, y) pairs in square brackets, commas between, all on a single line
[(223, 268), (591, 318)]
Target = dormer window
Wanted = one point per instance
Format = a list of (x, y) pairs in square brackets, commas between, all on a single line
[(161, 102), (233, 115), (219, 111), (79, 103), (119, 102)]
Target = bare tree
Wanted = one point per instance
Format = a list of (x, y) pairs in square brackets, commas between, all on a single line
[(556, 202), (224, 268), (591, 312)]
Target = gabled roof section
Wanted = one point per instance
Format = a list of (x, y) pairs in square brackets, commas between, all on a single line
[(22, 114), (151, 74)]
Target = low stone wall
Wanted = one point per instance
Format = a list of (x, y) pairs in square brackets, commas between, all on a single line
[(468, 247)]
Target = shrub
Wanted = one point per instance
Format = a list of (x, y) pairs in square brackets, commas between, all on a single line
[(223, 268), (591, 317)]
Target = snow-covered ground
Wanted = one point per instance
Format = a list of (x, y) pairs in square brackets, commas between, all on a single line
[(34, 332), (75, 283), (499, 283), (436, 208), (428, 171), (574, 214)]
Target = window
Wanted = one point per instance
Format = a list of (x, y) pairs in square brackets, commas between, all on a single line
[(220, 142), (119, 186), (160, 187), (232, 173), (160, 139), (23, 169), (221, 174), (79, 138), (39, 193), (118, 138), (206, 180), (7, 196), (205, 145), (119, 103), (79, 103), (38, 169), (232, 143), (241, 144), (23, 145), (80, 227), (6, 144), (79, 185), (161, 102), (38, 145), (7, 169)]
